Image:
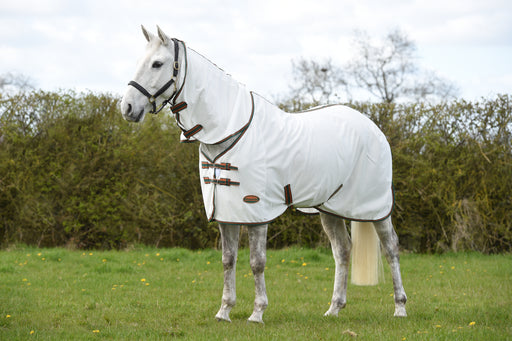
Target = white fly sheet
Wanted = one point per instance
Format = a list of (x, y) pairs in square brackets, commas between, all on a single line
[(256, 160)]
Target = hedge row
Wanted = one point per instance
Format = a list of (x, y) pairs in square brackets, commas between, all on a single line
[(73, 172)]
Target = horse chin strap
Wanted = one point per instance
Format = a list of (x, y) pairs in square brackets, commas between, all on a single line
[(152, 98)]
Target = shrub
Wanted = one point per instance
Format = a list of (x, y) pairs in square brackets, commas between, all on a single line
[(73, 172)]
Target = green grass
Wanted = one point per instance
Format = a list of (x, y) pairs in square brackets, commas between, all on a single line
[(150, 294)]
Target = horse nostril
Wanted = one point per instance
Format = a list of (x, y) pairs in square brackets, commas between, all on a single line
[(129, 109)]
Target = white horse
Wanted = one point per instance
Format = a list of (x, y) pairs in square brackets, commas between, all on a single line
[(256, 161)]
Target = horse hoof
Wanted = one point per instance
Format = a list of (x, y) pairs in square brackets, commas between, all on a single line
[(255, 318), (400, 312), (331, 313), (222, 318)]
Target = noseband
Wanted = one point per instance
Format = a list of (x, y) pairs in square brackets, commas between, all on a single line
[(152, 98)]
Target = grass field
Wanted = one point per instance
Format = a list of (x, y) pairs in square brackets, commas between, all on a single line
[(150, 294)]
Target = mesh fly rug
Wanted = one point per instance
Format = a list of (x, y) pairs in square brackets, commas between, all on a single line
[(257, 160)]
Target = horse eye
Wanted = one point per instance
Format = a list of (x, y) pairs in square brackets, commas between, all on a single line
[(157, 65)]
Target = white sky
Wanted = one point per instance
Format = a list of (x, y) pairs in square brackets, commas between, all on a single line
[(95, 44)]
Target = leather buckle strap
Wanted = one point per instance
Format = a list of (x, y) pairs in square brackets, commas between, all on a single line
[(221, 181), (191, 132), (178, 107), (288, 198), (223, 166)]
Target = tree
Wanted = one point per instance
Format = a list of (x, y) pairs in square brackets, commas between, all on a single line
[(388, 70), (12, 82), (314, 83)]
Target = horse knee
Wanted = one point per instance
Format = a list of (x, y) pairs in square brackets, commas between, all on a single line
[(258, 264), (228, 260)]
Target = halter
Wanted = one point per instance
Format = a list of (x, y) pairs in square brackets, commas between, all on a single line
[(152, 98)]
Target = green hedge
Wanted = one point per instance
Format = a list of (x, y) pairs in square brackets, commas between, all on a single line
[(73, 172)]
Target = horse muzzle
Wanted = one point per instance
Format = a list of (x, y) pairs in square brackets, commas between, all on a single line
[(131, 112)]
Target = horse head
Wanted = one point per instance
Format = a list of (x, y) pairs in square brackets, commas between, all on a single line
[(154, 82)]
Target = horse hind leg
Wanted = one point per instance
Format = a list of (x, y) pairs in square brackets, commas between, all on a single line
[(336, 230), (257, 245), (389, 240), (229, 236)]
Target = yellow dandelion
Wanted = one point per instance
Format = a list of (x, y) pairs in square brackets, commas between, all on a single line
[(438, 326), (472, 323), (194, 281), (142, 279), (161, 259), (147, 284), (25, 280), (326, 269), (453, 268), (90, 254), (32, 332), (7, 316), (39, 254), (208, 262), (104, 260), (96, 331), (304, 264), (158, 254), (282, 260)]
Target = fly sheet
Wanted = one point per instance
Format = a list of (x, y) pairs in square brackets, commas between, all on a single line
[(256, 160), (332, 159)]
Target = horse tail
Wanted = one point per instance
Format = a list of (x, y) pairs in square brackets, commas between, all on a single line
[(367, 266)]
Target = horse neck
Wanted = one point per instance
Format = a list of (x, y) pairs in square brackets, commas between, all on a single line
[(215, 100)]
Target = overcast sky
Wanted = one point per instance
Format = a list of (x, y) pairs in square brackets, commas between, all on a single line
[(95, 44)]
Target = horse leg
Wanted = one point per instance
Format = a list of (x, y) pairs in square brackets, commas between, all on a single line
[(257, 245), (340, 243), (389, 240), (229, 236)]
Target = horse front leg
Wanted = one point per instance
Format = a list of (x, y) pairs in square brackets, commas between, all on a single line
[(336, 230), (389, 240), (258, 247), (229, 236)]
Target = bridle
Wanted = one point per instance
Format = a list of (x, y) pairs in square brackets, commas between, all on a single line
[(152, 98)]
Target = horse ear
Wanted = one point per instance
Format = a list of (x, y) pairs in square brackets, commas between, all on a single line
[(148, 35), (163, 37)]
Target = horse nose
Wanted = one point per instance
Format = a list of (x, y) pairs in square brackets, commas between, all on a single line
[(126, 109)]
